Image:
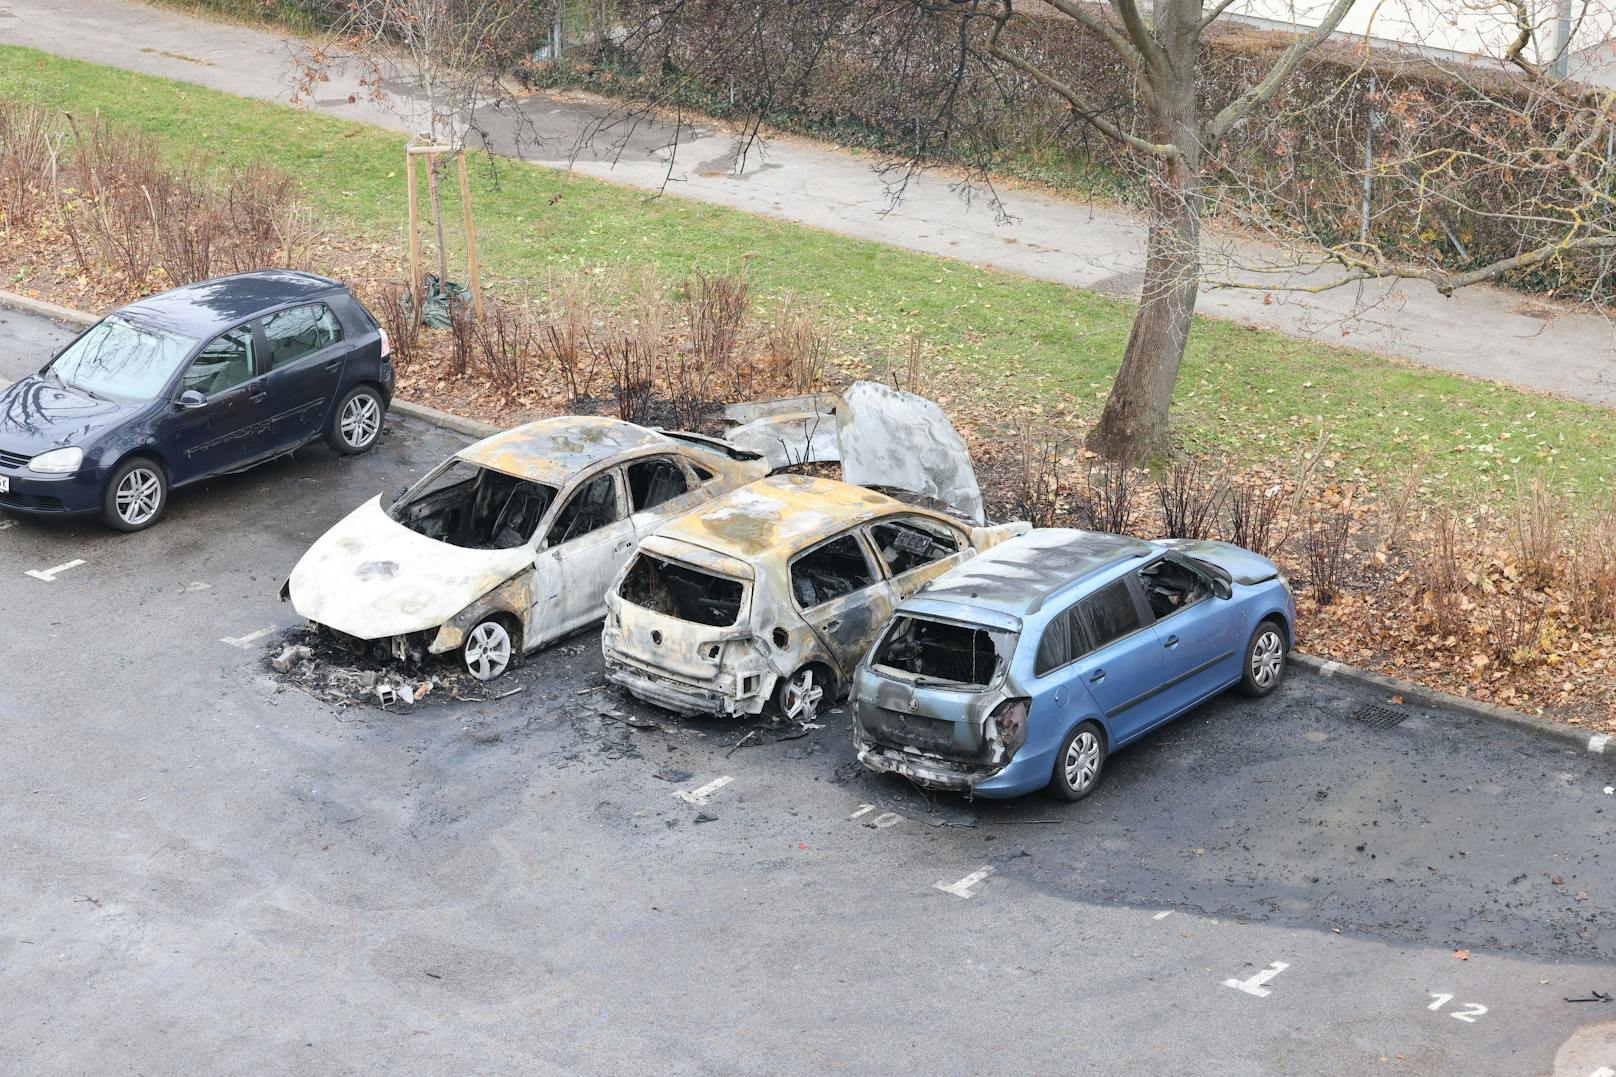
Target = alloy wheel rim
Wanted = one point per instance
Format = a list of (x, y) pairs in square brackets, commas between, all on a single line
[(1082, 761), (488, 651), (1266, 659), (360, 421), (803, 696), (138, 496)]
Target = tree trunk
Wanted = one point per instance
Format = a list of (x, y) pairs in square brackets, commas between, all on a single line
[(1133, 427), (437, 217)]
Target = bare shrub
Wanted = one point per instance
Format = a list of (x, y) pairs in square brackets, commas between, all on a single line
[(507, 338), (716, 305), (1190, 496), (1110, 500), (1038, 492), (1438, 571), (1253, 516), (462, 337), (1516, 640), (1591, 568), (631, 371), (1395, 522), (30, 144), (393, 307), (688, 383), (797, 347), (566, 340), (1324, 545), (1539, 531)]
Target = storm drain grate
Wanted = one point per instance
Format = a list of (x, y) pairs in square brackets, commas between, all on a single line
[(1377, 717)]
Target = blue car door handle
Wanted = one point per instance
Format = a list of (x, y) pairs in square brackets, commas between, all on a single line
[(256, 397), (333, 365), (1172, 641), (1097, 676)]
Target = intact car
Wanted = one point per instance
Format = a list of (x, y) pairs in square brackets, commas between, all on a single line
[(772, 593), (510, 543), (1026, 667), (199, 381)]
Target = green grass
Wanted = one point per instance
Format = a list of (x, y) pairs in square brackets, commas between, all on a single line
[(1034, 346)]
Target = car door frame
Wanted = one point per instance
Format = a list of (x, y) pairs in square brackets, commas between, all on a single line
[(548, 619), (334, 382), (826, 618), (251, 425), (1143, 710), (655, 516), (1192, 653), (916, 578)]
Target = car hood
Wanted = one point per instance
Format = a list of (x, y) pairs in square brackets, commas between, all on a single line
[(1242, 565), (39, 414), (372, 577)]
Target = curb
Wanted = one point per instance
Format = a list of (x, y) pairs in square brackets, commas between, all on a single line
[(1326, 668), (1569, 735)]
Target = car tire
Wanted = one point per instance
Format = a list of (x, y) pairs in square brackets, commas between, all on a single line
[(490, 649), (800, 697), (1264, 664), (1079, 763), (136, 495), (356, 423)]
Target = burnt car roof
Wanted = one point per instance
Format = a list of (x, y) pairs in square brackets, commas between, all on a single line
[(552, 451), (780, 515), (1017, 575), (203, 309)]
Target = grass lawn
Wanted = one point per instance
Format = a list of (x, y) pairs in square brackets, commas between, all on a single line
[(1034, 346)]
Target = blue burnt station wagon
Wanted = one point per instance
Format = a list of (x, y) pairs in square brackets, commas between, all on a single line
[(195, 382), (1029, 664)]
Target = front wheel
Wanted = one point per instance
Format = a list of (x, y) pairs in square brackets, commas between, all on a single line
[(799, 697), (1265, 660), (136, 495), (357, 422), (488, 650), (1079, 762)]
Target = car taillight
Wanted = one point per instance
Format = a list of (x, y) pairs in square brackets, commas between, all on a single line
[(387, 345), (1010, 724)]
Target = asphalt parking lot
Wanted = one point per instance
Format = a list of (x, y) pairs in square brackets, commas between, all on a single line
[(206, 871)]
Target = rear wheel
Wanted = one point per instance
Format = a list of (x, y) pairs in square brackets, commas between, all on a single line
[(136, 495), (488, 650), (1079, 762), (800, 696), (357, 422), (1265, 660)]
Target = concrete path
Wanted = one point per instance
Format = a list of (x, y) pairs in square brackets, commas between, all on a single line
[(1484, 332)]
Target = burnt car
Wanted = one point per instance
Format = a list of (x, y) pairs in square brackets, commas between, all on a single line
[(510, 543), (771, 594), (1026, 667), (199, 381)]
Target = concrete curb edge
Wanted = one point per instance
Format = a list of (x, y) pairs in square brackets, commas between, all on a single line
[(1330, 669), (1327, 668)]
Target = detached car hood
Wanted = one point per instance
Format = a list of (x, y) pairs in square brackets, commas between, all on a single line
[(372, 577), (1243, 566), (38, 414)]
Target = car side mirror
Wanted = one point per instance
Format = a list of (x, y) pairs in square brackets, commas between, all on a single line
[(191, 399), (1222, 589)]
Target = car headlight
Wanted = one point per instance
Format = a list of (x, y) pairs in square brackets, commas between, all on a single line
[(58, 461)]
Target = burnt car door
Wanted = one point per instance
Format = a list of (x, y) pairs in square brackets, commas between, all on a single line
[(586, 545), (304, 353), (221, 412), (841, 596), (915, 550), (660, 488), (1118, 659), (1200, 633)]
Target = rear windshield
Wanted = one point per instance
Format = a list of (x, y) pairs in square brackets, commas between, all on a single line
[(683, 592), (943, 653)]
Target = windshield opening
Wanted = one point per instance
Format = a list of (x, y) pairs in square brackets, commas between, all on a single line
[(121, 361), (683, 592), (474, 507), (944, 653)]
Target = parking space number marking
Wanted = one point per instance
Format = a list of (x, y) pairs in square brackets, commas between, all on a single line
[(1254, 986), (699, 796), (1468, 1015)]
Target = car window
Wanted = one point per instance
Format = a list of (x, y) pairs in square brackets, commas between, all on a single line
[(1170, 585), (906, 545), (1109, 614), (121, 360), (292, 334), (651, 482), (837, 568), (702, 474), (593, 506), (1055, 646), (223, 364)]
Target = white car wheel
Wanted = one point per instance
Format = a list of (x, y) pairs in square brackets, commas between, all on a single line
[(488, 650), (801, 696)]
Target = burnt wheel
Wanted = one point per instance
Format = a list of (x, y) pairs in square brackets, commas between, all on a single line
[(800, 696), (488, 650)]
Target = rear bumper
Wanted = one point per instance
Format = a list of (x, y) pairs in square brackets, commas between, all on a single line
[(53, 495), (675, 695), (1027, 772)]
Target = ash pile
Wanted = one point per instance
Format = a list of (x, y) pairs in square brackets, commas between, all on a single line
[(314, 662)]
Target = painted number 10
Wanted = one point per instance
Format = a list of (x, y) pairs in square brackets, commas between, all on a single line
[(1469, 1013)]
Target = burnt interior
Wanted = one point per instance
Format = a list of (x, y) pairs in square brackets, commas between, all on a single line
[(475, 508), (683, 592), (939, 651), (835, 569)]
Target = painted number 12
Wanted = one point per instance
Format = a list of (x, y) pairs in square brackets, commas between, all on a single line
[(1468, 1014)]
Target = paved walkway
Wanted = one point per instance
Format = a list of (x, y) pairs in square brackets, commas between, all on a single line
[(1481, 332)]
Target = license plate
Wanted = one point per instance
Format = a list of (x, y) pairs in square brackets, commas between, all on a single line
[(5, 485)]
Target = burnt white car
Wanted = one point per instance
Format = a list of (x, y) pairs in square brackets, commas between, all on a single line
[(511, 543), (772, 593)]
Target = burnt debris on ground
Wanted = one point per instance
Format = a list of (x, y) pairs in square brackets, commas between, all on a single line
[(316, 663)]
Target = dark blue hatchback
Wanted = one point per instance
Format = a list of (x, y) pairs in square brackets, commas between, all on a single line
[(205, 379)]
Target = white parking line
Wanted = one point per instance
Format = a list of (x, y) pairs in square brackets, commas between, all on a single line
[(6, 525), (1603, 1071), (249, 639), (963, 887), (863, 809), (699, 796), (1254, 986), (1162, 915), (1596, 743), (886, 819), (49, 575)]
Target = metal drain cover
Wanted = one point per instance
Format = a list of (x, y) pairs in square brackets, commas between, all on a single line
[(1376, 716)]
